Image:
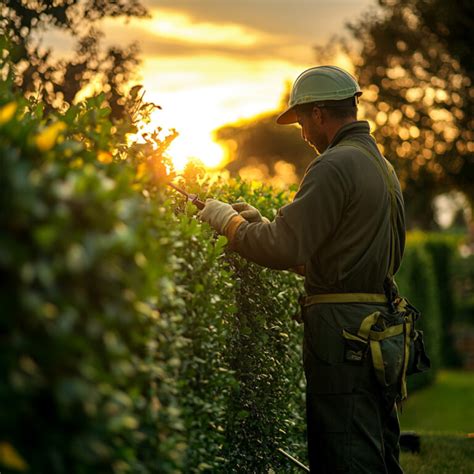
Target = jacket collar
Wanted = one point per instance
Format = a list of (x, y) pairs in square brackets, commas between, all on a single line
[(358, 127)]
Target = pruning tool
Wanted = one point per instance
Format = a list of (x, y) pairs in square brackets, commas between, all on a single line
[(294, 460), (194, 198)]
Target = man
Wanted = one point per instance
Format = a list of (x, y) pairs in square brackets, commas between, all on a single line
[(345, 230)]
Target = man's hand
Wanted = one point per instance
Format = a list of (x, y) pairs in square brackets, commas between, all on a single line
[(217, 214), (249, 213)]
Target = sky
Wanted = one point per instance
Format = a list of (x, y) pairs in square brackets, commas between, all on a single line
[(212, 62)]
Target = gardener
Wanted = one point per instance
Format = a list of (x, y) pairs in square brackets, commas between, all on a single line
[(345, 231)]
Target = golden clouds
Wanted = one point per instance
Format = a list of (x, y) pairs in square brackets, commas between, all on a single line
[(181, 27)]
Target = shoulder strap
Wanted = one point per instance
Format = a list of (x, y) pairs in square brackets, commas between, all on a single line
[(385, 169)]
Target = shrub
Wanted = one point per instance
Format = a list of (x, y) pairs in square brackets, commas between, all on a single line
[(130, 341), (417, 281), (443, 249)]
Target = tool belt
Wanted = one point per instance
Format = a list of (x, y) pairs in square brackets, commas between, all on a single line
[(343, 298), (396, 347)]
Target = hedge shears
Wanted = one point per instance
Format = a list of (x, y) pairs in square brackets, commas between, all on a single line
[(194, 198)]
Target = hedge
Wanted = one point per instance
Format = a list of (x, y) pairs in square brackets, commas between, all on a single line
[(416, 280), (132, 341), (443, 249)]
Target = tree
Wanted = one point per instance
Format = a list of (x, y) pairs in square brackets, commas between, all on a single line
[(416, 67), (262, 144), (56, 81)]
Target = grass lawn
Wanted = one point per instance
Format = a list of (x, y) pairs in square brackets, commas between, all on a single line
[(442, 414)]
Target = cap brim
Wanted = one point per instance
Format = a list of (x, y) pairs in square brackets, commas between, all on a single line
[(287, 117)]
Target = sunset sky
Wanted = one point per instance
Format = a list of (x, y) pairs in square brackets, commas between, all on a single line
[(211, 62)]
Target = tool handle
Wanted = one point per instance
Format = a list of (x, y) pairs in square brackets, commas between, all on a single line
[(198, 203), (294, 460)]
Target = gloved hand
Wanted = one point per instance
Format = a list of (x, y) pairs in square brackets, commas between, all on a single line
[(217, 214), (249, 213)]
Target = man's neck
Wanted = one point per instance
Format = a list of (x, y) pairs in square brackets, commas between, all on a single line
[(336, 125)]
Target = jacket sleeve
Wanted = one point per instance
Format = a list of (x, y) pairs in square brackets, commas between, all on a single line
[(301, 227)]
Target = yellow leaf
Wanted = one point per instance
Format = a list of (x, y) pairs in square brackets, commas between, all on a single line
[(7, 112), (46, 139), (141, 171), (104, 157), (10, 458)]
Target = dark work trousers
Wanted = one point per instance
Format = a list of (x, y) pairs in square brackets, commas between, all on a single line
[(352, 422)]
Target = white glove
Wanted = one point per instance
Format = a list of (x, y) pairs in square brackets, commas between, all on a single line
[(249, 213), (217, 214)]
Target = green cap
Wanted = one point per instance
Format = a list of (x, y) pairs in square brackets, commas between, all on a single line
[(319, 84)]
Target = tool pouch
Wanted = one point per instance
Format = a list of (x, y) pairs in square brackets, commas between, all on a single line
[(419, 360), (395, 346)]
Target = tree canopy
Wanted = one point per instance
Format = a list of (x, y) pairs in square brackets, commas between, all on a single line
[(57, 80), (416, 67)]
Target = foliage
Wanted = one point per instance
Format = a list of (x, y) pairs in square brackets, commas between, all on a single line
[(261, 142), (415, 66), (464, 287), (444, 251), (58, 81), (129, 341), (417, 281)]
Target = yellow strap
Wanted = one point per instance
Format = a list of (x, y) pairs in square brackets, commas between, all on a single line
[(367, 323), (404, 392), (352, 337), (345, 298), (391, 331), (401, 304)]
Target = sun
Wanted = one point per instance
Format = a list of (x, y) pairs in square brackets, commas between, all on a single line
[(194, 141), (189, 146), (195, 122)]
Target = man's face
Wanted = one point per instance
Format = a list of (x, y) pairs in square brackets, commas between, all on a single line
[(312, 129)]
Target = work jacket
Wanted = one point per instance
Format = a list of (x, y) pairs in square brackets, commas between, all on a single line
[(338, 225)]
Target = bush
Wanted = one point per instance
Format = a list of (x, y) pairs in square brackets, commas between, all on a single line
[(130, 341), (417, 281), (443, 249), (463, 276)]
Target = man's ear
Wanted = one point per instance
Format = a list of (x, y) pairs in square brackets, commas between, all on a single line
[(317, 115)]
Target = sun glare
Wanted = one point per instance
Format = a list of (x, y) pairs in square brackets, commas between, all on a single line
[(206, 93), (200, 147)]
